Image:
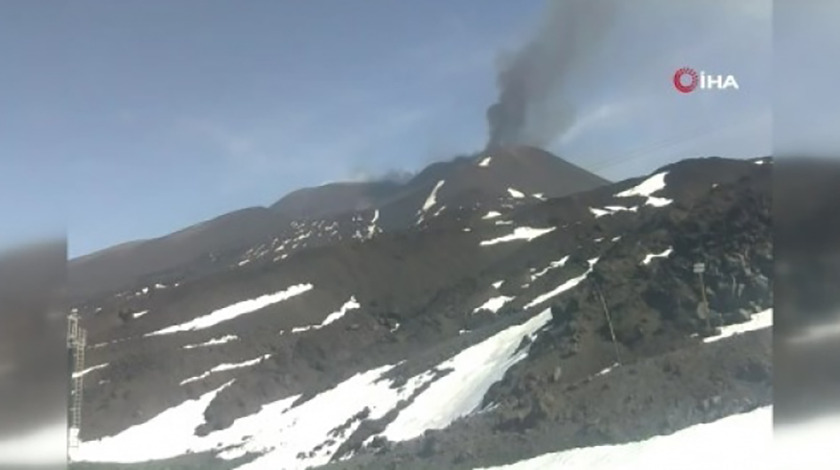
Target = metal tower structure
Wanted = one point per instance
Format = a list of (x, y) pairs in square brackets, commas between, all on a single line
[(76, 340)]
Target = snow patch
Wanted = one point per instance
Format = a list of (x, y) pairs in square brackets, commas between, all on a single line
[(520, 233), (646, 189), (140, 314), (610, 210), (232, 311), (758, 321), (651, 257), (491, 215), (372, 229), (607, 370), (515, 194), (494, 304), (432, 199), (485, 163), (497, 284)]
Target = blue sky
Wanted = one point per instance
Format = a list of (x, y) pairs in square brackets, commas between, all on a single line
[(128, 120)]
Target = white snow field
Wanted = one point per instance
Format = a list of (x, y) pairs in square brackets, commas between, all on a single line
[(738, 442), (646, 188), (519, 233), (460, 392), (281, 432), (758, 321), (232, 311)]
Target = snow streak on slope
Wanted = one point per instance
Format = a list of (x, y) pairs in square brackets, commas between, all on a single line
[(553, 265), (432, 199), (491, 215), (460, 392), (485, 163), (646, 188), (225, 367), (89, 370), (738, 442), (563, 287), (520, 233), (232, 311), (351, 304), (494, 304), (609, 210), (213, 342), (651, 257), (758, 321), (372, 229)]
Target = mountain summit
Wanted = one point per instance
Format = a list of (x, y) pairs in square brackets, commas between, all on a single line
[(488, 181)]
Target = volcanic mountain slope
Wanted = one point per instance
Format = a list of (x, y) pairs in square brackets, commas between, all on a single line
[(472, 338), (330, 213)]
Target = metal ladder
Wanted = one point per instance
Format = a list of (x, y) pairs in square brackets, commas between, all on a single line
[(76, 340)]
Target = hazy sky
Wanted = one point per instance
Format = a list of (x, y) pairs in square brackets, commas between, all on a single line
[(127, 120)]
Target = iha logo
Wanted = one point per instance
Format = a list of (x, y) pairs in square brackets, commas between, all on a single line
[(687, 79)]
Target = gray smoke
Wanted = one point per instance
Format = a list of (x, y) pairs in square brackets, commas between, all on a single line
[(533, 107)]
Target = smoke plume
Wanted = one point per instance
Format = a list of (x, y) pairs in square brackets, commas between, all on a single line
[(533, 108)]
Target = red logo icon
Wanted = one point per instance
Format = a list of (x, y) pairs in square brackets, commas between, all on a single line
[(691, 74)]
